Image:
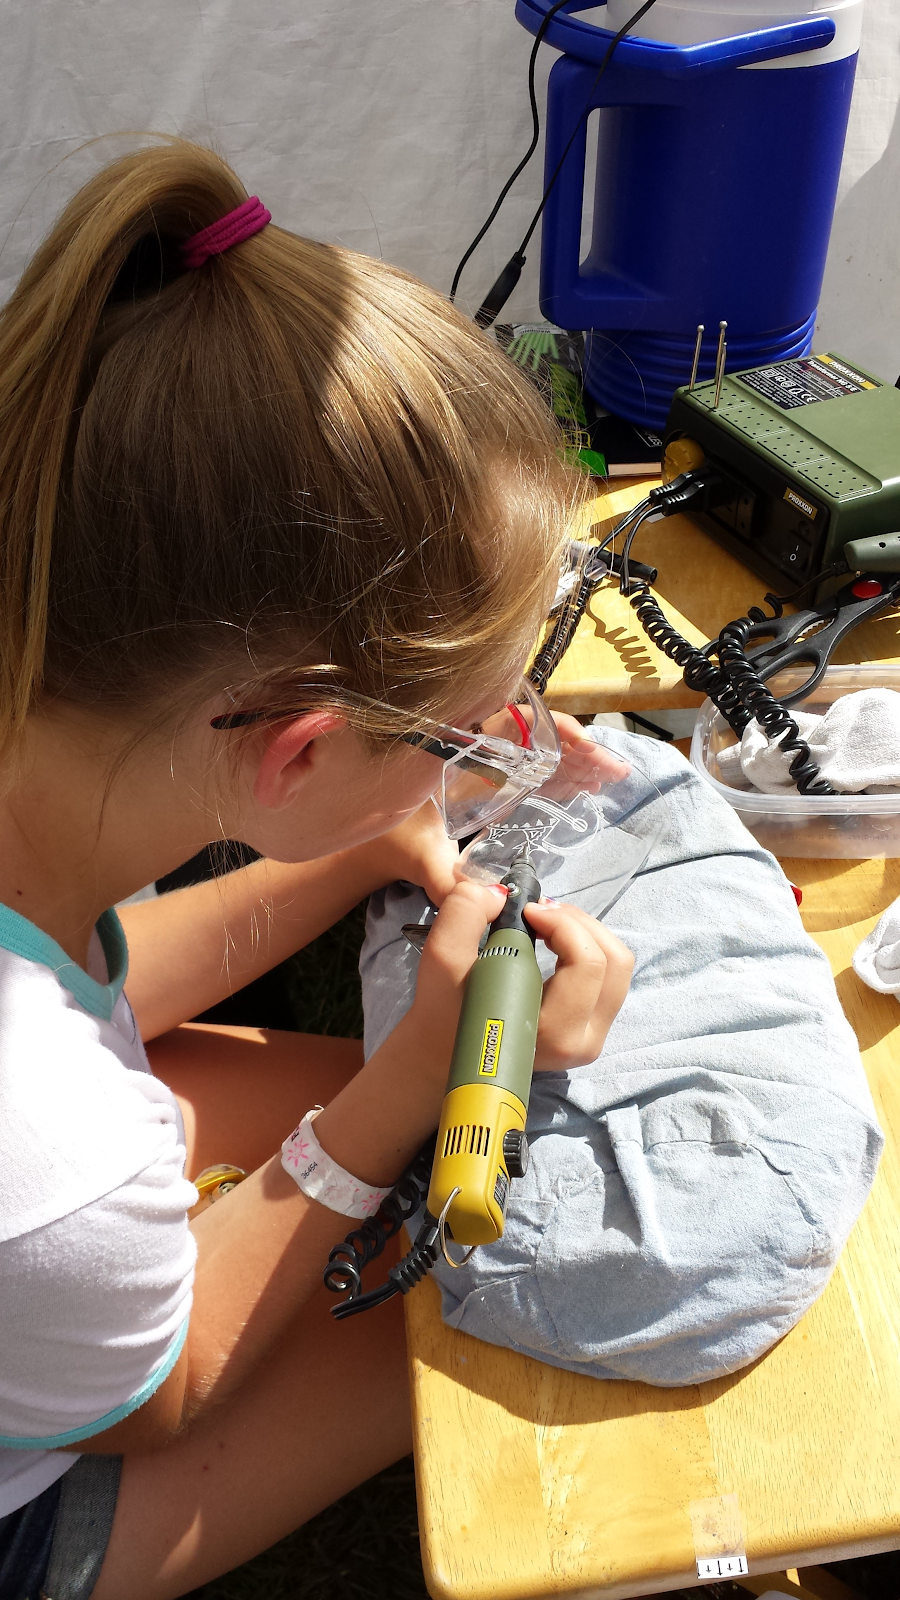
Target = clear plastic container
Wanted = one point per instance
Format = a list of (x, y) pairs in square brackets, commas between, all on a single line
[(847, 826)]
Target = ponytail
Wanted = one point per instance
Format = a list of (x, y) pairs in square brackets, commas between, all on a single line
[(46, 333), (290, 465)]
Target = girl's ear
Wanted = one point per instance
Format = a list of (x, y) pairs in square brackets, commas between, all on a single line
[(289, 756)]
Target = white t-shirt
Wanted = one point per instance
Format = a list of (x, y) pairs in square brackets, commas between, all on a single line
[(96, 1257)]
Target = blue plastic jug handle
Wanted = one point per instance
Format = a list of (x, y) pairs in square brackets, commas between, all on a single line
[(589, 43), (566, 297)]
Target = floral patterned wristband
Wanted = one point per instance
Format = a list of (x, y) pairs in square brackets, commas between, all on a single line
[(322, 1179)]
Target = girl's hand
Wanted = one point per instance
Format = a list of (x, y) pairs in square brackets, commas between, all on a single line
[(450, 952), (583, 998), (584, 764), (416, 851)]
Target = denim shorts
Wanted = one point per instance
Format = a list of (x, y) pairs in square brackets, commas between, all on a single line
[(52, 1548)]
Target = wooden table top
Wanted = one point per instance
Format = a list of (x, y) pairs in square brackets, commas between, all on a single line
[(611, 665), (537, 1482)]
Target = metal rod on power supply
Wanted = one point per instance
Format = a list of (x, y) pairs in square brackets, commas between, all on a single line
[(719, 376), (696, 363), (720, 364)]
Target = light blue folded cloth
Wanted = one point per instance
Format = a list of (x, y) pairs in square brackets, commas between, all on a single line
[(689, 1192)]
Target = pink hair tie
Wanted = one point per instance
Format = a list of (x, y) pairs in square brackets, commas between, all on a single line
[(240, 224)]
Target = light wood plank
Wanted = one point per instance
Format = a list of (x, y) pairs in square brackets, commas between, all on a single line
[(611, 664), (535, 1482)]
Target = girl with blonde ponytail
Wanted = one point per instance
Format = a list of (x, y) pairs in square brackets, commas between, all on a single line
[(277, 533)]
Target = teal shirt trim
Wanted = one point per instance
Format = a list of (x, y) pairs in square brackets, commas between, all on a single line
[(59, 1441), (23, 938)]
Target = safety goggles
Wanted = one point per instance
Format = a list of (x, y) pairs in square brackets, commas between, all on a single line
[(487, 771)]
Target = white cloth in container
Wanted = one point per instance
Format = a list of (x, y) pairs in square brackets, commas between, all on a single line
[(856, 746)]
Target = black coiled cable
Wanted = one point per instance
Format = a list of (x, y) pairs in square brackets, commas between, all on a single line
[(403, 1276), (563, 632), (343, 1274), (758, 702), (700, 671), (419, 1259), (732, 682)]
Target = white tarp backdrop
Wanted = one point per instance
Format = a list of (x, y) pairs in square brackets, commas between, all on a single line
[(385, 125)]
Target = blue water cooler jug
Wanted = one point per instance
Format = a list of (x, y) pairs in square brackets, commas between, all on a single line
[(721, 132)]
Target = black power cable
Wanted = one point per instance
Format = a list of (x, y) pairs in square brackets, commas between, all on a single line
[(562, 633), (591, 575), (343, 1274), (734, 685), (500, 291), (638, 523), (535, 136), (722, 669)]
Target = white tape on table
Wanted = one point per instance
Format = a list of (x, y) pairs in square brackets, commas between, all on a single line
[(718, 1538)]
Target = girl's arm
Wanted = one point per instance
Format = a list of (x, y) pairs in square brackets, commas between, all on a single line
[(192, 948), (262, 1249)]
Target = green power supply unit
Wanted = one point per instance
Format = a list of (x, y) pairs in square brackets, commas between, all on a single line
[(809, 454)]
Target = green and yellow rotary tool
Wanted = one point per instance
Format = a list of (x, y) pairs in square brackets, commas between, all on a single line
[(481, 1142)]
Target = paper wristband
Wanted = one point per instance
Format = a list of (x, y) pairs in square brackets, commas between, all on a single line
[(322, 1179)]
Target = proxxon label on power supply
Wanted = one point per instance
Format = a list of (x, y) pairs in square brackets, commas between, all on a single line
[(797, 501)]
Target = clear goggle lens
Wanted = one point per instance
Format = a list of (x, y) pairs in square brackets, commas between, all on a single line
[(513, 754)]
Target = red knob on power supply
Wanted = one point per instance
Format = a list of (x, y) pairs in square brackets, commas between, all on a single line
[(867, 588)]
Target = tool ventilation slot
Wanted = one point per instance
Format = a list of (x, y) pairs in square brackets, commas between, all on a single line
[(499, 950), (467, 1139)]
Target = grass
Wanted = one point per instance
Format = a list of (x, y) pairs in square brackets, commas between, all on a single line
[(322, 981)]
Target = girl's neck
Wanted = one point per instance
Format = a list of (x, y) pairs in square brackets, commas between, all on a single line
[(75, 840)]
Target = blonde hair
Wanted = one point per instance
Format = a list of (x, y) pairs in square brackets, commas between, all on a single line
[(291, 471)]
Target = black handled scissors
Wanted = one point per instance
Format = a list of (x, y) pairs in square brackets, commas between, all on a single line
[(832, 619)]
